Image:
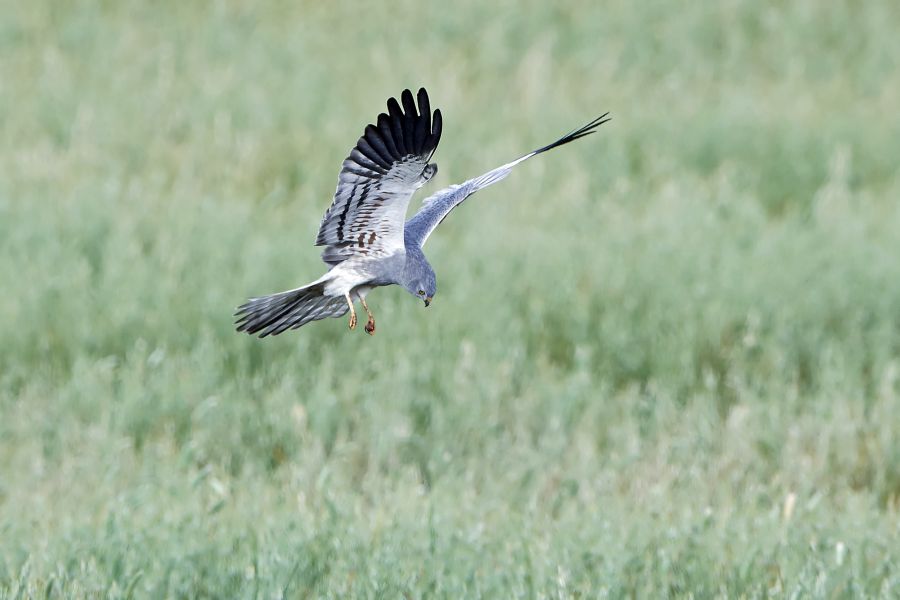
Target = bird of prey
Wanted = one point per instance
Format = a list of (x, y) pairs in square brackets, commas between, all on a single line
[(368, 242)]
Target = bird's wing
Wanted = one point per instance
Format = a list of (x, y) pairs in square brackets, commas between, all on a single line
[(436, 207), (377, 180)]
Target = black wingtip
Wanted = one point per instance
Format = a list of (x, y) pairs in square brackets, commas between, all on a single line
[(577, 133), (436, 123), (409, 105), (409, 128), (424, 105), (434, 137)]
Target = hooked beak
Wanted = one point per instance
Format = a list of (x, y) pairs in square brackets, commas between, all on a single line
[(427, 301)]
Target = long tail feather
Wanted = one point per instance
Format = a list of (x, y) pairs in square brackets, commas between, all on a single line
[(271, 315)]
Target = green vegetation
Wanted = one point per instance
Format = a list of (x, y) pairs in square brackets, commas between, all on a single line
[(662, 361)]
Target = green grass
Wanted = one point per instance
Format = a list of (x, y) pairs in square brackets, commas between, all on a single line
[(663, 361)]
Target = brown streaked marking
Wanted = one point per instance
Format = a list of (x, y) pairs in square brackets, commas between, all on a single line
[(360, 239), (372, 237)]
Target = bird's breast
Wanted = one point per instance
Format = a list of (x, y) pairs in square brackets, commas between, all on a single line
[(374, 272)]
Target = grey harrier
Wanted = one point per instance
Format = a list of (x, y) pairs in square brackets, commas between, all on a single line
[(367, 244)]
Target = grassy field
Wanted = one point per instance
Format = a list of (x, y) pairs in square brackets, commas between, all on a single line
[(662, 362)]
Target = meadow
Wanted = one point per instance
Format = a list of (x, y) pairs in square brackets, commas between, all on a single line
[(663, 361)]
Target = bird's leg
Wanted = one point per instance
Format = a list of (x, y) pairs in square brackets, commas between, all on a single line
[(370, 325), (352, 312)]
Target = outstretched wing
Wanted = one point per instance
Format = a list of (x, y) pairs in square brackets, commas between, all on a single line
[(388, 164), (436, 207)]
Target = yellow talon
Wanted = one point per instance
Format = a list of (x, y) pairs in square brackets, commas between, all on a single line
[(370, 325), (352, 313)]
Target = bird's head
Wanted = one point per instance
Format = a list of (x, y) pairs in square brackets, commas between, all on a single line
[(423, 287), (417, 276)]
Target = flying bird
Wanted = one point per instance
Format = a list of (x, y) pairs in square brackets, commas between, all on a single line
[(368, 241)]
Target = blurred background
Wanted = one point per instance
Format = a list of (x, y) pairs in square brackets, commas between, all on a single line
[(663, 360)]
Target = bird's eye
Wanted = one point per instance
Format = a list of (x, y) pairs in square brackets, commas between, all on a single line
[(421, 292)]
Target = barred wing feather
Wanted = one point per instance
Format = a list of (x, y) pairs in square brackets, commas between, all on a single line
[(387, 165)]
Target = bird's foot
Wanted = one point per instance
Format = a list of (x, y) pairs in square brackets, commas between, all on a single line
[(370, 325), (352, 321)]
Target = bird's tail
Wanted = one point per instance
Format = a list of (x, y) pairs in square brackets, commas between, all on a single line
[(271, 315)]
